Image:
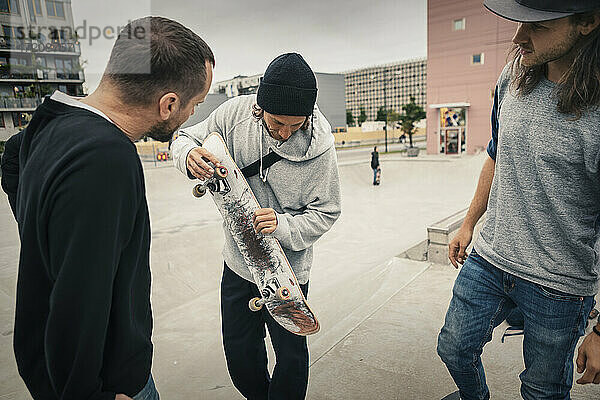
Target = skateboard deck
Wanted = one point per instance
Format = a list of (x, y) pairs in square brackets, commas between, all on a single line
[(280, 292), (378, 176)]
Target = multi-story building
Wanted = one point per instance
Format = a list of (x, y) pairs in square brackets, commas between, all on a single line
[(466, 51), (39, 53), (240, 85), (389, 86), (330, 96)]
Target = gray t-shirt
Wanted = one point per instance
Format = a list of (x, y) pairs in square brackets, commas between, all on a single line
[(543, 212)]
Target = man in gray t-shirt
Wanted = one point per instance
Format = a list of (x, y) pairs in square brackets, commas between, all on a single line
[(540, 185)]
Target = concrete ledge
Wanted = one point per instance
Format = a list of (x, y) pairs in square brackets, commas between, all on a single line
[(441, 233), (417, 252)]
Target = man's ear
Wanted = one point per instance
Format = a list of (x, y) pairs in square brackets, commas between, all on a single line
[(168, 105), (588, 23)]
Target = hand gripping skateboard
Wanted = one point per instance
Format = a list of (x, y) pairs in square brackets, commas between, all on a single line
[(280, 292)]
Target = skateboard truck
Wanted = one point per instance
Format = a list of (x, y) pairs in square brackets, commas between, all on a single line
[(215, 184), (256, 304)]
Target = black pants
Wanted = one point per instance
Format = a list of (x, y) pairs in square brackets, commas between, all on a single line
[(244, 343)]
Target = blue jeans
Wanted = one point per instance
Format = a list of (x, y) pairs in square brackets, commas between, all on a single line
[(148, 392), (483, 296)]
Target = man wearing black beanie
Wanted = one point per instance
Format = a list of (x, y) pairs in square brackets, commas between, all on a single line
[(300, 196)]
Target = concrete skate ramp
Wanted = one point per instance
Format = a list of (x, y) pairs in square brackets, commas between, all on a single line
[(354, 272), (351, 278)]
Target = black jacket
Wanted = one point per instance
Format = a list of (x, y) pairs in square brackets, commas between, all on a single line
[(10, 168), (83, 320), (374, 159)]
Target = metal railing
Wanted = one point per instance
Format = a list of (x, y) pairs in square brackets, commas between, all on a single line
[(14, 103), (18, 72)]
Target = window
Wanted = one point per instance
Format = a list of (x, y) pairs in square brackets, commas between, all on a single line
[(15, 60), (65, 69), (9, 7), (7, 32), (458, 24), (13, 32), (60, 36), (42, 71), (74, 90), (477, 59), (55, 8), (60, 69), (35, 7)]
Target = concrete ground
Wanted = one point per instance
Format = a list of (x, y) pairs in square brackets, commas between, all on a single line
[(379, 314)]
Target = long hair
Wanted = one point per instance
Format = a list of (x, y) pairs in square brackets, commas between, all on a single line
[(579, 88)]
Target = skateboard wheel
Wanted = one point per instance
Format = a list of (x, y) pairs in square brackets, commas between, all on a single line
[(283, 293), (199, 191), (254, 304), (221, 172)]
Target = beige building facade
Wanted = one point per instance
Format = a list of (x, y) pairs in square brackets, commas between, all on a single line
[(389, 86)]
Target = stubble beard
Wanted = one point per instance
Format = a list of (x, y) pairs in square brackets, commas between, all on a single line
[(163, 131), (554, 53)]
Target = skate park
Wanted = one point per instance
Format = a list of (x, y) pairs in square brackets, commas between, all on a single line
[(380, 304)]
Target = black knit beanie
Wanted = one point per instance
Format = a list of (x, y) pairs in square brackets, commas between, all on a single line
[(288, 87)]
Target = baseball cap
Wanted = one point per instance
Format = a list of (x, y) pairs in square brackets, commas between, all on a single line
[(539, 10)]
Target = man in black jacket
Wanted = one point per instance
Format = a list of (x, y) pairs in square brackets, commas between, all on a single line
[(375, 164), (75, 183)]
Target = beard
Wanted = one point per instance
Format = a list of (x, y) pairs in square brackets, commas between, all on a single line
[(556, 52), (163, 131)]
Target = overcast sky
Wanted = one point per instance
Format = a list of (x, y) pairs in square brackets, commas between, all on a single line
[(245, 35)]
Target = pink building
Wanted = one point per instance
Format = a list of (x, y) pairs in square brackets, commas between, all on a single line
[(466, 51)]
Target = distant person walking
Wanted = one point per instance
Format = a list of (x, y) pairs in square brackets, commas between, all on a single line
[(538, 248), (375, 164)]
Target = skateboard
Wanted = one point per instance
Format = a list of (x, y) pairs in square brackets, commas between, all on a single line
[(378, 176), (279, 289)]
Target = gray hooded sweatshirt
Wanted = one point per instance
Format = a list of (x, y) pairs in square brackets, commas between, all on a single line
[(303, 187)]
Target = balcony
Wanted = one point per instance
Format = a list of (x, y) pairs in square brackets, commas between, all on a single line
[(22, 104), (28, 73), (38, 46), (7, 73), (67, 76)]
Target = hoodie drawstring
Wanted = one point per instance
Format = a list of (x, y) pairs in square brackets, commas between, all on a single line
[(260, 170)]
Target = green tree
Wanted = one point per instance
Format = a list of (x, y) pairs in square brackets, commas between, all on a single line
[(349, 118), (380, 114), (413, 113), (362, 117), (391, 115)]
